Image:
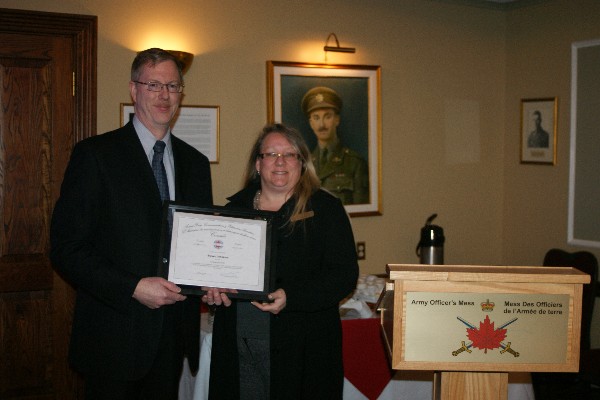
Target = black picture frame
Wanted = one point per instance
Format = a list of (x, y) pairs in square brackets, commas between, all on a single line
[(220, 222)]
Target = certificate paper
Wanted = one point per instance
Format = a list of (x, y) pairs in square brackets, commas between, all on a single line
[(222, 248)]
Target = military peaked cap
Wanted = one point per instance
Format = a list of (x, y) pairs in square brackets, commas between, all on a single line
[(321, 97)]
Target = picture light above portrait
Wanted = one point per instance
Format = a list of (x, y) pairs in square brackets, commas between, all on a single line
[(337, 47), (184, 58)]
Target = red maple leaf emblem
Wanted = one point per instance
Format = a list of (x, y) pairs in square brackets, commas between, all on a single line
[(486, 337)]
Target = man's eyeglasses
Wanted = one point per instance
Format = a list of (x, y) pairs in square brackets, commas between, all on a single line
[(158, 87), (287, 157)]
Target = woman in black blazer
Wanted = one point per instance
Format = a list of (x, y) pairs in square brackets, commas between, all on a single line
[(290, 348)]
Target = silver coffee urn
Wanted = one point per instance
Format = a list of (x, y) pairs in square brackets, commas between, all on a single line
[(430, 249)]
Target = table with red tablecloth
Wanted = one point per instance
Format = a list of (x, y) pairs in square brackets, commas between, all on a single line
[(366, 365)]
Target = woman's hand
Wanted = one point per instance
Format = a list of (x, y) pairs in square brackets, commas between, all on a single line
[(217, 296), (278, 304)]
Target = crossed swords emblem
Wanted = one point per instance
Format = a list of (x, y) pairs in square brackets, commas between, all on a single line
[(467, 347)]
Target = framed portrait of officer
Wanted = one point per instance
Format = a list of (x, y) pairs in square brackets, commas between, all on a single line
[(337, 110), (538, 130)]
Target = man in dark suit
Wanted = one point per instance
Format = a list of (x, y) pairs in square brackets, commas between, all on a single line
[(131, 328)]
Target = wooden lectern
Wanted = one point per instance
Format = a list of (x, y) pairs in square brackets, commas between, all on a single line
[(475, 324)]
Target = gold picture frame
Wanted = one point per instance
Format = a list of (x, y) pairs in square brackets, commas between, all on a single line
[(359, 129), (538, 130)]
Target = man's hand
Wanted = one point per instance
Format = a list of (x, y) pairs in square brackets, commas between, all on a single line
[(156, 292)]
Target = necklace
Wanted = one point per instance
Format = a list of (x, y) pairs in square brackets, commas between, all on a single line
[(256, 201)]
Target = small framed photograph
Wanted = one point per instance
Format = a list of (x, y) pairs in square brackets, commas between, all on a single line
[(538, 130), (337, 108), (198, 126), (218, 247)]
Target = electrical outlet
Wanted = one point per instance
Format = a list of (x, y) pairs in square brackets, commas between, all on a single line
[(361, 250)]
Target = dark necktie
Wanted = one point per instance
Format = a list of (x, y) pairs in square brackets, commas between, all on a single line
[(160, 174), (158, 167)]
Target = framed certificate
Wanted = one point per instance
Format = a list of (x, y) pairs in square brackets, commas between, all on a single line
[(218, 247)]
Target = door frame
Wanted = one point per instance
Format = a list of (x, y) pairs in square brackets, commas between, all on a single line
[(84, 31), (81, 30)]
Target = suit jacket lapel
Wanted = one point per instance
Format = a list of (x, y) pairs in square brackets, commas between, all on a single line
[(179, 162)]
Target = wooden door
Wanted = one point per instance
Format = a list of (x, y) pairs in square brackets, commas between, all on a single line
[(47, 104)]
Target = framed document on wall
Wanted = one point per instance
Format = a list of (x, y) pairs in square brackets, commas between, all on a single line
[(198, 126)]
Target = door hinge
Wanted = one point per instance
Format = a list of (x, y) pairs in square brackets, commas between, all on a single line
[(73, 84)]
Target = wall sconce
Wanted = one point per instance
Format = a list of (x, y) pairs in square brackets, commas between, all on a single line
[(184, 58), (337, 47)]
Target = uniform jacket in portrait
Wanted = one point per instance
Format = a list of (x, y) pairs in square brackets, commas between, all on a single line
[(345, 174), (538, 138), (316, 266), (105, 237)]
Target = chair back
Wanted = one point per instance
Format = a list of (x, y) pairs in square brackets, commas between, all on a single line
[(585, 262), (571, 385)]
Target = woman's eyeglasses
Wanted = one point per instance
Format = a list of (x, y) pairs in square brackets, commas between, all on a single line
[(287, 157)]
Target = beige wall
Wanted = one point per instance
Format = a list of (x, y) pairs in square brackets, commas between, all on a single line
[(452, 80), (539, 42)]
